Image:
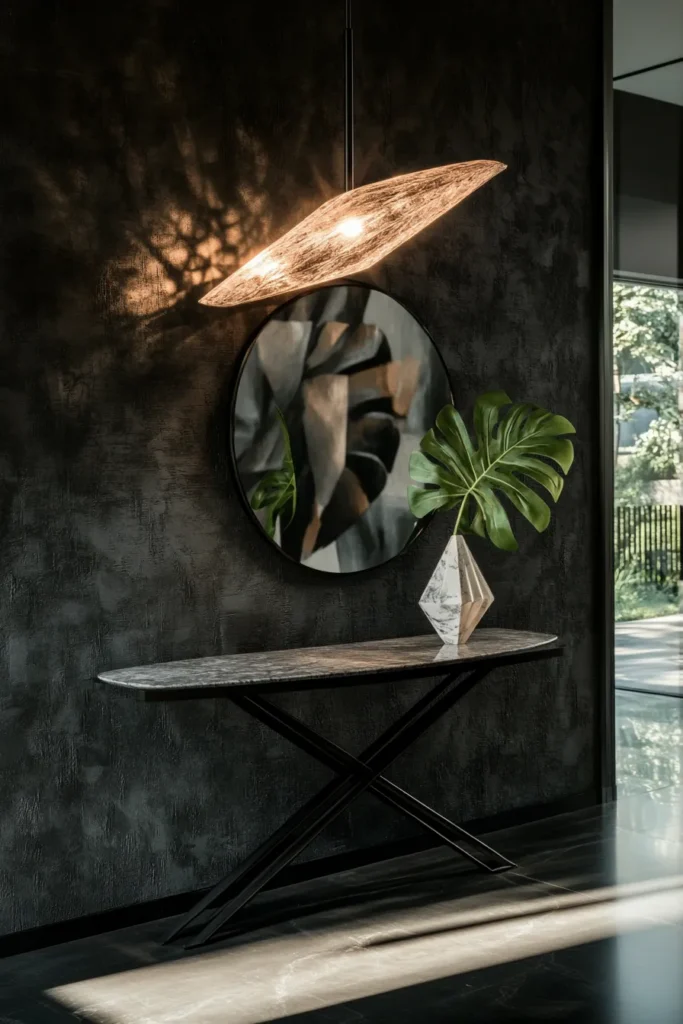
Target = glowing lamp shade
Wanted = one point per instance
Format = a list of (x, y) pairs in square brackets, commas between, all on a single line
[(352, 232)]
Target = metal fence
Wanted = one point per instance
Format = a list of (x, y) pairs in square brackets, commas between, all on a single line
[(648, 542)]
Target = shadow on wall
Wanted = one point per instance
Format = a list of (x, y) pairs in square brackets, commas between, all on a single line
[(134, 174), (143, 157), (144, 148), (143, 153)]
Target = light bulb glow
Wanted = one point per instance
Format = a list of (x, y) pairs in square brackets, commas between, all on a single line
[(263, 266), (352, 232), (352, 227)]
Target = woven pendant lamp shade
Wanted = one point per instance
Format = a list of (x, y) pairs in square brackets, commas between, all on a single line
[(352, 232)]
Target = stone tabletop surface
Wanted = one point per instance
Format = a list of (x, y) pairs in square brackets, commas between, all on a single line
[(375, 658)]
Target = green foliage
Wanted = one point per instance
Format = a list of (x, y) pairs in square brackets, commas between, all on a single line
[(276, 491), (454, 471), (646, 343), (630, 487), (660, 394), (625, 578), (646, 329), (656, 456), (659, 450), (634, 600)]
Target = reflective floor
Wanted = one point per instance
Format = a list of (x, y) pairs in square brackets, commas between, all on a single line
[(649, 655), (588, 928)]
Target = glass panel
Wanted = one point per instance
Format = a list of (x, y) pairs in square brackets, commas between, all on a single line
[(648, 385)]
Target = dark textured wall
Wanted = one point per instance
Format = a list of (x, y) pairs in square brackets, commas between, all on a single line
[(145, 146)]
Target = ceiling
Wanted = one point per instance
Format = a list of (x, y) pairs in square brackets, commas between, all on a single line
[(648, 32)]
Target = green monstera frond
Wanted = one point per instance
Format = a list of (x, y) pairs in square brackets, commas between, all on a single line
[(454, 471), (276, 491)]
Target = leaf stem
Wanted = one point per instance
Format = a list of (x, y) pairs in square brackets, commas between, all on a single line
[(459, 517)]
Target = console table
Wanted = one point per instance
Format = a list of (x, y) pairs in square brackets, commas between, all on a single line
[(242, 678)]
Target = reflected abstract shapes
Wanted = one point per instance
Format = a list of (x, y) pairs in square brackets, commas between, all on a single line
[(351, 348), (281, 351), (348, 505), (396, 381), (377, 434), (402, 378), (358, 381), (326, 400), (352, 232), (327, 340)]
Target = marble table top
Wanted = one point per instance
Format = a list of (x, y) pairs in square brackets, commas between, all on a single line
[(338, 664)]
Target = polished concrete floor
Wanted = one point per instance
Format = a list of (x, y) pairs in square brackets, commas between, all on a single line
[(649, 655), (587, 929)]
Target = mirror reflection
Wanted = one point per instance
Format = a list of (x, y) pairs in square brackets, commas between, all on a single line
[(334, 394)]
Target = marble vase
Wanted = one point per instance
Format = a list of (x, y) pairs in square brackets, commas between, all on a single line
[(457, 595)]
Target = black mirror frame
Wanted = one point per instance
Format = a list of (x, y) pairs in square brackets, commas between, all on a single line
[(421, 525)]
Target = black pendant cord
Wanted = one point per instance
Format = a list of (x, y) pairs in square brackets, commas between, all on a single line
[(348, 102)]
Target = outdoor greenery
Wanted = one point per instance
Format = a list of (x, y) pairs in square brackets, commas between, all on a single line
[(634, 599), (646, 349), (522, 441), (647, 325)]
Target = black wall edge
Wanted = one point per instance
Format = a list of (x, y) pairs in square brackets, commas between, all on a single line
[(605, 747)]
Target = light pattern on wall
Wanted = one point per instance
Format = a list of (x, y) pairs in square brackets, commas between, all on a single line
[(352, 232)]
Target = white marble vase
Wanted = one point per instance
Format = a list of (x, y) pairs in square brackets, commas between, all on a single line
[(457, 595)]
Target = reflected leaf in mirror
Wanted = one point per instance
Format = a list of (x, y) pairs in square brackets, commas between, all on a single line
[(276, 491)]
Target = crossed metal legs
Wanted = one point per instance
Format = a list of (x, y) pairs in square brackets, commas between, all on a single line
[(355, 776)]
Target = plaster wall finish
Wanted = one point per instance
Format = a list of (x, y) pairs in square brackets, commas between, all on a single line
[(146, 148)]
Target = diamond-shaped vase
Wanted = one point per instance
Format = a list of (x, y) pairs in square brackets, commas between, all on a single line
[(457, 595)]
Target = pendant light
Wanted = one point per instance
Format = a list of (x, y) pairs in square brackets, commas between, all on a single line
[(354, 230)]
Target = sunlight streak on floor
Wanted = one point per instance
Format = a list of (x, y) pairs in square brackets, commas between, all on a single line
[(373, 954)]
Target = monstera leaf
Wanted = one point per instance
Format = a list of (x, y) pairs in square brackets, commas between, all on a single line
[(276, 491), (524, 442)]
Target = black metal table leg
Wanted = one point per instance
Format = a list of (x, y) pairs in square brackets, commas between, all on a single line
[(289, 828), (337, 758), (305, 825)]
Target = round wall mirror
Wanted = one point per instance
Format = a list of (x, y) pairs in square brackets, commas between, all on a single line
[(335, 391)]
